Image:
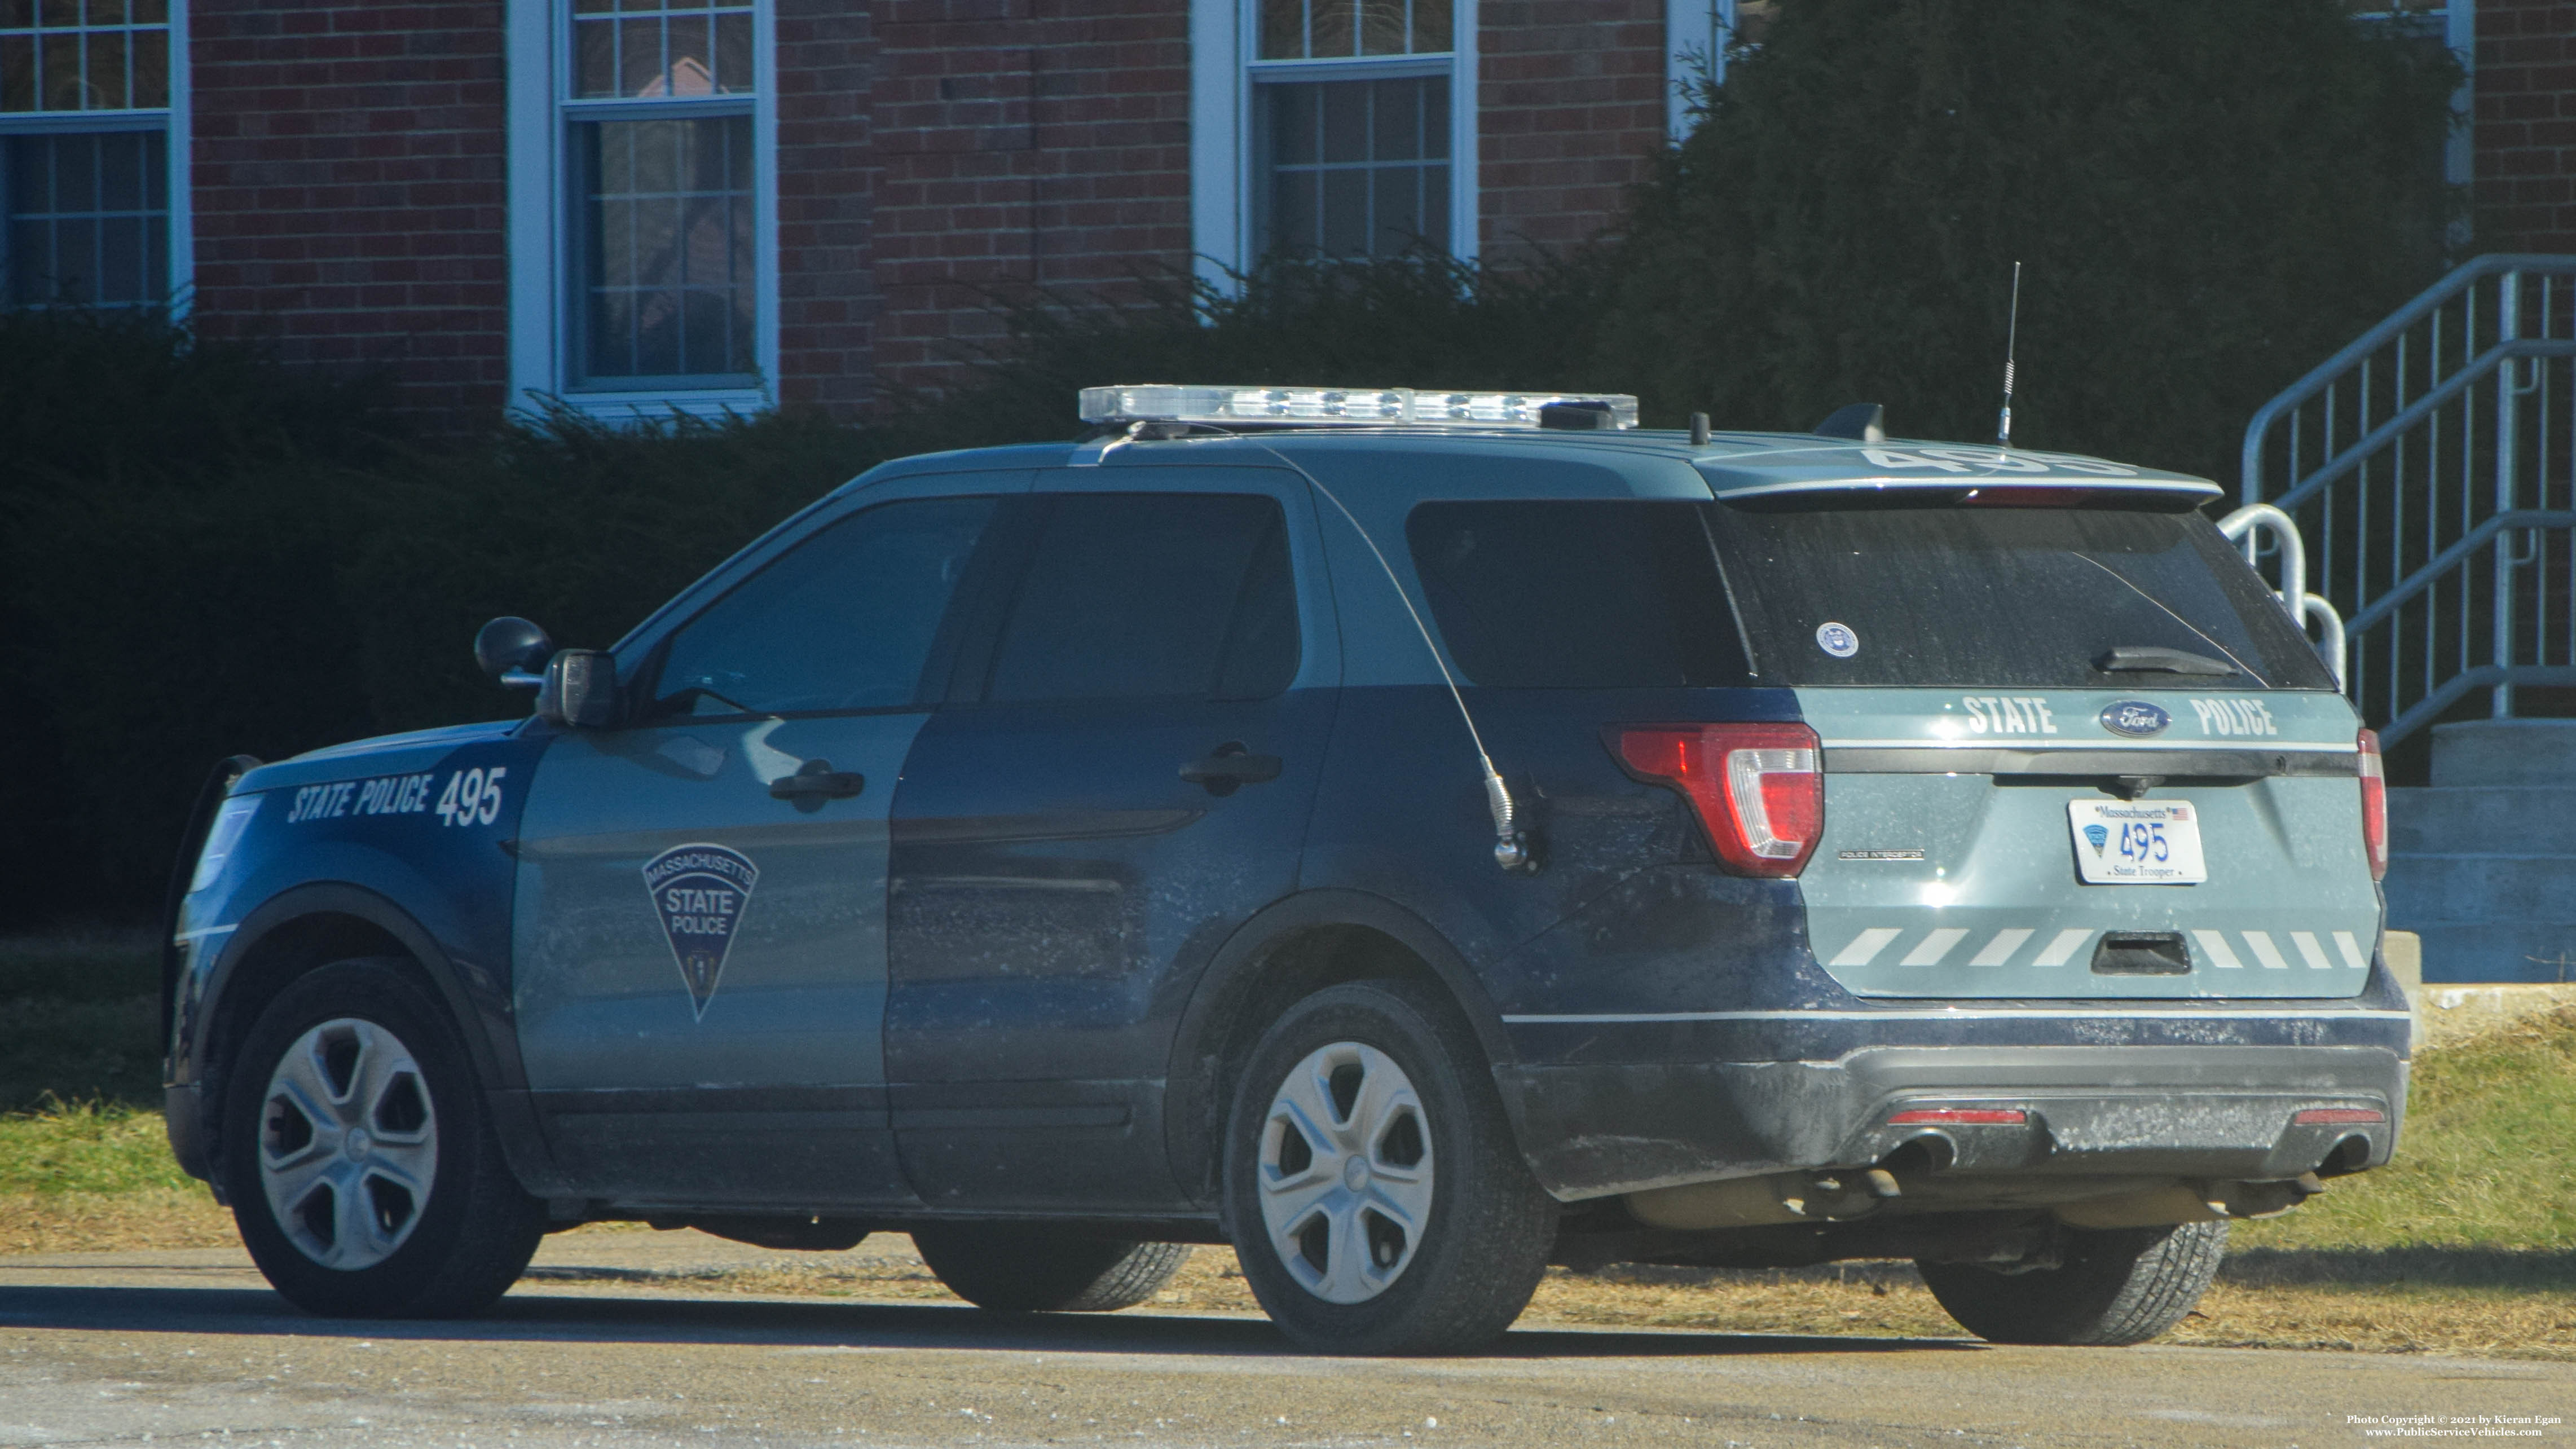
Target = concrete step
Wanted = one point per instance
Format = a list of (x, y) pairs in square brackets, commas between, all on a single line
[(2474, 819), (2471, 953), (2425, 890), (2505, 752)]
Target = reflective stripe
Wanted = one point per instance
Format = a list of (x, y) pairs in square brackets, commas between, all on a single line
[(2310, 951), (2000, 949), (1934, 947), (1865, 947), (2351, 950), (2064, 946), (2265, 951), (2221, 955)]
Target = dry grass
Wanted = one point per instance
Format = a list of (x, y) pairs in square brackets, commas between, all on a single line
[(119, 1222)]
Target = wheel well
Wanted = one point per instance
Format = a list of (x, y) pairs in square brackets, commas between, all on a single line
[(1291, 968), (272, 963)]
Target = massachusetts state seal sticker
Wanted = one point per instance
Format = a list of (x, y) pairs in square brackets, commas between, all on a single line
[(700, 892)]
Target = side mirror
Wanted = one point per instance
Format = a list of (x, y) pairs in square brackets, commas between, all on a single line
[(580, 689), (512, 650)]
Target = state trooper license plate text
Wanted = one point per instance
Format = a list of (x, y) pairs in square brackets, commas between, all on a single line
[(2137, 842)]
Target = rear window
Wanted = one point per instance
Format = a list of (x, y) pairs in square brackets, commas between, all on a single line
[(1633, 593)]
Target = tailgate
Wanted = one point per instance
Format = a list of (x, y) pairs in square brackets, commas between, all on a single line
[(1954, 822)]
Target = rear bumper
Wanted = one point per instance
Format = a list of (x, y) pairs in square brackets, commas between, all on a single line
[(1591, 1129)]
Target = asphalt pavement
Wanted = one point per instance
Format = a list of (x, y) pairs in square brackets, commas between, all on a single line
[(154, 1347)]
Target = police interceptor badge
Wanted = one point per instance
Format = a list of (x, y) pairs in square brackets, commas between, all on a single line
[(700, 892)]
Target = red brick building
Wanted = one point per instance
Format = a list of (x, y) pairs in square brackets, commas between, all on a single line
[(739, 203)]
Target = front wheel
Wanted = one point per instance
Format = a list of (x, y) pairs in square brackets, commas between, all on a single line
[(362, 1167), (1376, 1197), (2113, 1286)]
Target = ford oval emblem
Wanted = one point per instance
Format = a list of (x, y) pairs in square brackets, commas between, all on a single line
[(2135, 718)]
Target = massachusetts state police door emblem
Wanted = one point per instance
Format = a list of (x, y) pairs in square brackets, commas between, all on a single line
[(700, 891)]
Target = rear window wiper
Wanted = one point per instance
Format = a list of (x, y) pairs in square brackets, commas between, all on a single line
[(2153, 659)]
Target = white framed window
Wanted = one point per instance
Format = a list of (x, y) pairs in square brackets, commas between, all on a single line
[(1696, 35), (1331, 129), (93, 153), (643, 205)]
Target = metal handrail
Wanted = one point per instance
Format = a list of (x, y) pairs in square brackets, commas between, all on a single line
[(2460, 279), (2426, 493)]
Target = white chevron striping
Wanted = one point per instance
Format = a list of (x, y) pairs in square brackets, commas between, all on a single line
[(2000, 949), (2221, 955), (1864, 948), (2265, 951), (2310, 951), (1934, 947), (2351, 950), (2063, 946)]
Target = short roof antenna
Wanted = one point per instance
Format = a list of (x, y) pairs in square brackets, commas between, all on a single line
[(2012, 336)]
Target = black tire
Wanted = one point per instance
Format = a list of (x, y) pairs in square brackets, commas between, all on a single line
[(1013, 1268), (453, 1250), (2116, 1286), (1485, 1224)]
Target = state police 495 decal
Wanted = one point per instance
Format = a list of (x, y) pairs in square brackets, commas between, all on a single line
[(700, 892)]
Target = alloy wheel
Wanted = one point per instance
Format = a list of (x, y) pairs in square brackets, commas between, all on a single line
[(348, 1144)]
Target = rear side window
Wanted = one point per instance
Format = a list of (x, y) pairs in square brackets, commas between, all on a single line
[(1600, 595), (1621, 593), (1151, 594)]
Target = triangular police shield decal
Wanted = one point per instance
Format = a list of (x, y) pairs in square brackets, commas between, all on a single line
[(700, 892)]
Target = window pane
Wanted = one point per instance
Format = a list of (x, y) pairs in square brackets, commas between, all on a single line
[(668, 278), (648, 52), (1357, 188), (1382, 27), (843, 621), (1283, 29), (87, 224), (17, 72), (1137, 595), (1577, 595), (1433, 25), (1332, 27)]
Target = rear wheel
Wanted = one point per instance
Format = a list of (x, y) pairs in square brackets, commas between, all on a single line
[(2113, 1286), (363, 1171), (1376, 1197), (1038, 1270)]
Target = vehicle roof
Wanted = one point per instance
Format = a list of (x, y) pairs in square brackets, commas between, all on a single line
[(1728, 465)]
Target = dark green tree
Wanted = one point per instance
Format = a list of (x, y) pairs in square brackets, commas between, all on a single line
[(2211, 197)]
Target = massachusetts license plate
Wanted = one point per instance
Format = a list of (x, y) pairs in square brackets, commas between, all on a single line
[(2137, 842)]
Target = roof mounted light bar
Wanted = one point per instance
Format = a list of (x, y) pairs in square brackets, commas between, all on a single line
[(1375, 407)]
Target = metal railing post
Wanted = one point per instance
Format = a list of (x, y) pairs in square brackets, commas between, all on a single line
[(2507, 394)]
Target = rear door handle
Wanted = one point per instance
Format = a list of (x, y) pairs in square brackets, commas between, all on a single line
[(1229, 767), (817, 780)]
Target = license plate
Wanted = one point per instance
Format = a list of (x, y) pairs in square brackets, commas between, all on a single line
[(2137, 842)]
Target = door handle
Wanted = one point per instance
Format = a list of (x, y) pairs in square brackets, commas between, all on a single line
[(1229, 767), (817, 780)]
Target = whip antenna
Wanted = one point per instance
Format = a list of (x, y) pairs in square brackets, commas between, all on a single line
[(2012, 336)]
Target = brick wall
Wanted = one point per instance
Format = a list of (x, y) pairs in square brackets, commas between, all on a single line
[(1572, 93), (1018, 143), (2526, 126), (826, 293), (349, 190)]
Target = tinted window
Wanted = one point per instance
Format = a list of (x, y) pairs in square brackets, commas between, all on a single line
[(1131, 595), (2002, 596), (1577, 595), (844, 620)]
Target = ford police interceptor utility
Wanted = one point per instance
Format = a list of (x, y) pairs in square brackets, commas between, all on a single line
[(1412, 837)]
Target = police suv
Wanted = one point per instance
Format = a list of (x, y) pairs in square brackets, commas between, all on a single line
[(1413, 837)]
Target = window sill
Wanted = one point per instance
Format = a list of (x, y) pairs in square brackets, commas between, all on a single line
[(646, 405)]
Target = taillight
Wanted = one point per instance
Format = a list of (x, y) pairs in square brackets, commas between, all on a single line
[(2374, 806), (1759, 788)]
